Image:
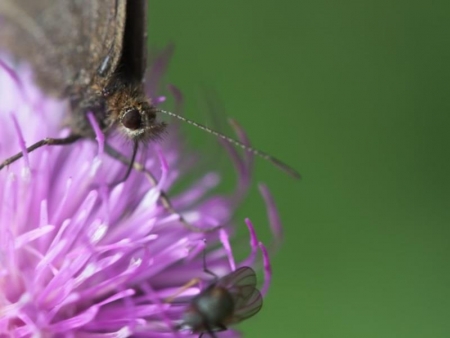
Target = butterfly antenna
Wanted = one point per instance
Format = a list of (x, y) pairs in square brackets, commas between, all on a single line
[(278, 163)]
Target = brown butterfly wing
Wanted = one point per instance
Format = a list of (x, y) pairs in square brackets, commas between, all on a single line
[(133, 62), (64, 40)]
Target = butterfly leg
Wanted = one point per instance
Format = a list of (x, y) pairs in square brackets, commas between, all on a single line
[(165, 200), (45, 142), (132, 160)]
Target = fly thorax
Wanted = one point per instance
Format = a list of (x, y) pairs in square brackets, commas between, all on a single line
[(216, 305)]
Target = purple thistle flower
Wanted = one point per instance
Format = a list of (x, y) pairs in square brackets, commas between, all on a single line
[(80, 257)]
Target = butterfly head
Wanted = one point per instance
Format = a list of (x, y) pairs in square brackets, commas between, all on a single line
[(134, 115)]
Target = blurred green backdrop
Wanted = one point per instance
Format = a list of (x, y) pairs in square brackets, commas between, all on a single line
[(355, 94)]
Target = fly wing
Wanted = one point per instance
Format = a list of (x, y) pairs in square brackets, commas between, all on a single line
[(249, 308), (65, 41), (241, 284)]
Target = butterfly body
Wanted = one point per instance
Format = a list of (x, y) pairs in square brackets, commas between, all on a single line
[(92, 53)]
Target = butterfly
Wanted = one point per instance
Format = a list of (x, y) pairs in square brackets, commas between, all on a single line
[(94, 54)]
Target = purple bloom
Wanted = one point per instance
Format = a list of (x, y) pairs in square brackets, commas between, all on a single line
[(82, 257)]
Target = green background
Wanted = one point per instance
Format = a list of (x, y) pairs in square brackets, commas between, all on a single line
[(355, 94)]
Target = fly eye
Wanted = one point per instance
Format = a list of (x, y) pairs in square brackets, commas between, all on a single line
[(132, 119)]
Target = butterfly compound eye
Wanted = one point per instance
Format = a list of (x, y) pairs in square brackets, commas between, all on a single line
[(132, 119)]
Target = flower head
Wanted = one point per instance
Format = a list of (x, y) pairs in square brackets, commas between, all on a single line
[(82, 255)]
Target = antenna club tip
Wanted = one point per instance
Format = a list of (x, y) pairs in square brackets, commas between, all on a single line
[(297, 176)]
